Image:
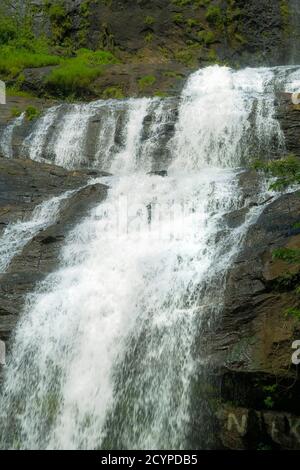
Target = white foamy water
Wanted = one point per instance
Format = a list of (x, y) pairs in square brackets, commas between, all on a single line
[(108, 346), (7, 136), (34, 145), (17, 235), (221, 112)]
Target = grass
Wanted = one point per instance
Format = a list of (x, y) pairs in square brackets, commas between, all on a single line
[(77, 73), (14, 60), (20, 49)]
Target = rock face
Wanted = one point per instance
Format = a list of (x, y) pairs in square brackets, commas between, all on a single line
[(25, 184), (159, 29), (289, 117), (260, 385), (164, 40)]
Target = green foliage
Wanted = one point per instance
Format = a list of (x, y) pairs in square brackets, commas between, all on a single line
[(146, 82), (8, 30), (286, 171), (15, 112), (290, 255), (32, 112), (188, 56), (177, 18), (113, 92), (192, 22), (77, 73), (293, 312), (269, 402), (149, 37), (270, 391), (214, 15), (60, 21), (20, 49), (14, 59), (207, 37), (149, 20)]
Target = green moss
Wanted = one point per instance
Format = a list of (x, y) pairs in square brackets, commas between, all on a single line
[(207, 37), (32, 112), (149, 20), (285, 11), (177, 18), (146, 82), (188, 56), (59, 19), (214, 15), (192, 22), (149, 37), (161, 94), (172, 74), (113, 92)]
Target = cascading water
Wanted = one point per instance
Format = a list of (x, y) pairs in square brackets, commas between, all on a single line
[(18, 234), (7, 136), (108, 346)]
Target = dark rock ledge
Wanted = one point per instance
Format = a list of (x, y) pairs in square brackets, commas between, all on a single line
[(251, 349)]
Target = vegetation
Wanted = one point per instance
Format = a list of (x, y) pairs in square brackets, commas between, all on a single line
[(77, 73), (146, 82), (113, 92), (15, 112), (20, 50), (285, 173), (31, 113)]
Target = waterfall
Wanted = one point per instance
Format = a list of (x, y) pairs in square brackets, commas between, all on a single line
[(109, 346), (17, 235), (6, 138), (102, 134)]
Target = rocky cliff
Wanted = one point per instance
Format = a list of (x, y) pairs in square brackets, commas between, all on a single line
[(156, 43)]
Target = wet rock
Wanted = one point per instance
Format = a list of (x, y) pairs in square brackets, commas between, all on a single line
[(252, 344), (24, 184), (289, 118), (243, 429)]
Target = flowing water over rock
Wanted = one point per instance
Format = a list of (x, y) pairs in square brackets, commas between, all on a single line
[(16, 235), (108, 347)]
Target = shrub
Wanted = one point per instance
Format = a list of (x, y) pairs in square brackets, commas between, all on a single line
[(8, 30), (207, 37), (146, 82), (32, 113), (214, 15)]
